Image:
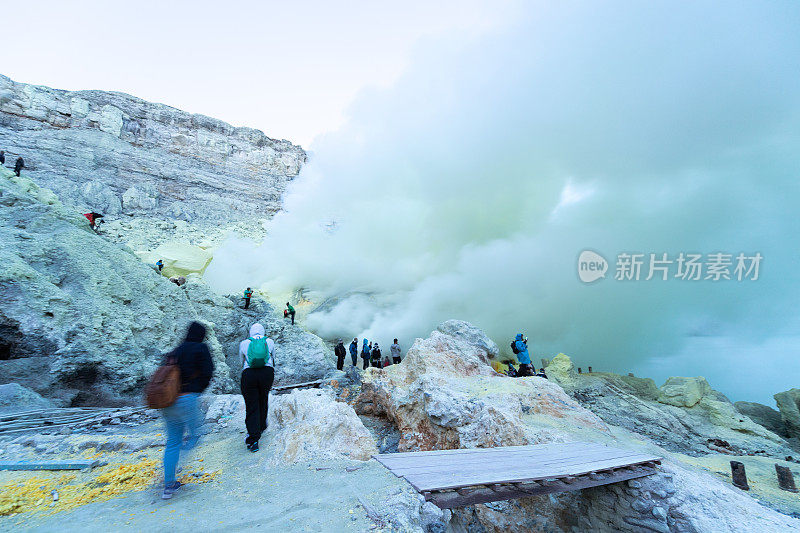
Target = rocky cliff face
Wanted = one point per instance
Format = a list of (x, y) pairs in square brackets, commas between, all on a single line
[(116, 154), (83, 320)]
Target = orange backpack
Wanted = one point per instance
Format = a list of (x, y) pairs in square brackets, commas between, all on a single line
[(164, 387)]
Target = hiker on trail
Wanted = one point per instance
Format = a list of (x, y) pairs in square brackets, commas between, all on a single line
[(19, 165), (365, 353), (2, 157), (354, 351), (395, 349), (376, 356), (340, 353), (248, 293), (258, 373), (289, 311), (94, 220), (160, 265), (196, 368), (520, 347)]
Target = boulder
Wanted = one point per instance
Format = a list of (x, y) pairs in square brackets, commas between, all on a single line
[(763, 415), (444, 395), (223, 406), (684, 392), (561, 370), (180, 259), (180, 281), (312, 426), (789, 407), (15, 398), (486, 348)]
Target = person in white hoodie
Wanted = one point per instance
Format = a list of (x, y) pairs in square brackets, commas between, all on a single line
[(258, 373)]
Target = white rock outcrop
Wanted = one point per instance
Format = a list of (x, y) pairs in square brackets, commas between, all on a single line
[(312, 426), (683, 391), (445, 395)]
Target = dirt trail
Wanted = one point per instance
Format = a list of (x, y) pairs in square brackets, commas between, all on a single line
[(246, 493)]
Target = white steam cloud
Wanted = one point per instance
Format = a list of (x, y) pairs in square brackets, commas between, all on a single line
[(469, 188)]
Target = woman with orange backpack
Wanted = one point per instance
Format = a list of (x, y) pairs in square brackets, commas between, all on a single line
[(194, 363)]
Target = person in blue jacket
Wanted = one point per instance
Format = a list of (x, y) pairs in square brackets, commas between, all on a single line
[(354, 351), (365, 353), (524, 358)]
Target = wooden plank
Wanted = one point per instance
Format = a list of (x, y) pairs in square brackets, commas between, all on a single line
[(483, 455), (497, 450), (462, 479), (316, 383), (560, 466), (512, 461), (459, 479), (449, 500), (48, 465)]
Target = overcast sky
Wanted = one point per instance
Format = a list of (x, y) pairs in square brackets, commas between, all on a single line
[(287, 68)]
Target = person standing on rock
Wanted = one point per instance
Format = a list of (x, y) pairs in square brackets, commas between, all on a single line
[(19, 165), (376, 356), (160, 265), (354, 351), (248, 293), (395, 349), (290, 311), (2, 157), (196, 368), (365, 353), (258, 374), (340, 353), (520, 348)]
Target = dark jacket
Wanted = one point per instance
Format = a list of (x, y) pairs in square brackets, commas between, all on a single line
[(19, 165), (376, 354), (194, 360), (339, 350)]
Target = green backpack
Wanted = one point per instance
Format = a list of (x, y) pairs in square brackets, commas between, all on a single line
[(257, 353)]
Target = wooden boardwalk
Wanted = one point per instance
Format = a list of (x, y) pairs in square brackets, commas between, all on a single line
[(455, 478)]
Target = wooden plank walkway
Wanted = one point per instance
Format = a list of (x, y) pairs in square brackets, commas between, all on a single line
[(283, 388), (76, 464), (455, 478)]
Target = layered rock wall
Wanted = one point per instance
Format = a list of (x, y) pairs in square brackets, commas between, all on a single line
[(113, 153)]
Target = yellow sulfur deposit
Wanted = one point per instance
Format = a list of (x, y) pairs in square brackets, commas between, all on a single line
[(205, 477), (35, 494)]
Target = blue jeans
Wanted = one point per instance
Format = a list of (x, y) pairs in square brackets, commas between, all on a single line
[(181, 416)]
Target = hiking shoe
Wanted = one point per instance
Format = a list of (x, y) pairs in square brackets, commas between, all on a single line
[(253, 447), (170, 490)]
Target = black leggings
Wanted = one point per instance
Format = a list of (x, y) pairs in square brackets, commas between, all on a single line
[(256, 383)]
